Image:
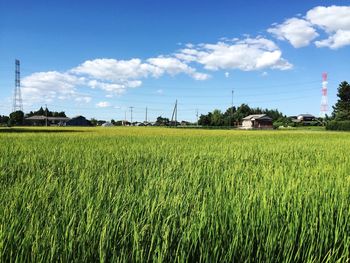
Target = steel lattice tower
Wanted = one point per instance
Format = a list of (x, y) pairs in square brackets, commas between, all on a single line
[(17, 97), (324, 99)]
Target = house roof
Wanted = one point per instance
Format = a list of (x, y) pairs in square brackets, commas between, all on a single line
[(42, 118), (306, 115), (257, 117)]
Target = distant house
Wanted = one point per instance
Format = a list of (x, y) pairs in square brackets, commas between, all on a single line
[(39, 120), (257, 121), (304, 119), (78, 121), (107, 124), (139, 124)]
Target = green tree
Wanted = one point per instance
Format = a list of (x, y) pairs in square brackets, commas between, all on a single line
[(217, 118), (242, 111), (205, 120), (17, 118), (93, 122), (162, 121), (4, 120), (229, 116), (341, 110)]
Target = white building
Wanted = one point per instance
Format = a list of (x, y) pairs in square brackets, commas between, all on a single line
[(257, 121)]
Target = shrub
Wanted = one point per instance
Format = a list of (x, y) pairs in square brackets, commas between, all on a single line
[(277, 124), (338, 125)]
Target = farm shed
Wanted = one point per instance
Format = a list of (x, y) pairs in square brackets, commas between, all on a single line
[(78, 121), (257, 121)]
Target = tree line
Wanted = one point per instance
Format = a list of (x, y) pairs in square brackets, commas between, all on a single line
[(233, 116), (17, 118), (340, 119)]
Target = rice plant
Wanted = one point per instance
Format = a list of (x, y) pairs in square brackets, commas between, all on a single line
[(156, 194)]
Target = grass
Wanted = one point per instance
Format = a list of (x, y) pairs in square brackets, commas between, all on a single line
[(155, 194)]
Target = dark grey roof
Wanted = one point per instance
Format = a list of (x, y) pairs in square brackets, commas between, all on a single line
[(257, 117)]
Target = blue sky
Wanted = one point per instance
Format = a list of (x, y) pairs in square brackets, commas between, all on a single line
[(98, 58)]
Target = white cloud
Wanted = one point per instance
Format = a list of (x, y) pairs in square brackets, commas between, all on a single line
[(174, 66), (333, 20), (159, 91), (341, 38), (110, 75), (247, 55), (298, 32), (120, 71), (103, 104), (200, 76), (117, 88), (116, 70), (330, 18), (264, 74), (227, 74), (46, 86)]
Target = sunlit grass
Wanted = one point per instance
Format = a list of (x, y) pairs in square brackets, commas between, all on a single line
[(153, 194)]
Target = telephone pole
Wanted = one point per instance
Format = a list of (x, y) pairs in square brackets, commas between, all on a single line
[(131, 114), (231, 109), (46, 115), (197, 116), (174, 114), (146, 116)]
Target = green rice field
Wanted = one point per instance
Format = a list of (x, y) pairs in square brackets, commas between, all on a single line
[(158, 194)]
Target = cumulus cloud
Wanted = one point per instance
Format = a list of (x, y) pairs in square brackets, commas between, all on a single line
[(110, 75), (339, 39), (46, 86), (103, 104), (333, 20), (174, 66), (116, 70), (247, 54), (85, 99), (117, 88), (330, 18), (298, 32)]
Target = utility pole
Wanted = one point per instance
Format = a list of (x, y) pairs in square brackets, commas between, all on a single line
[(146, 116), (125, 119), (174, 114), (131, 114), (231, 109), (197, 116), (46, 115)]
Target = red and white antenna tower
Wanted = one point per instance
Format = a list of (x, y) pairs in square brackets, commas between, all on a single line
[(324, 99)]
